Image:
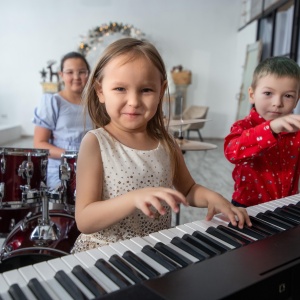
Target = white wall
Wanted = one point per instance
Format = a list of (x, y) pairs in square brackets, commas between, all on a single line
[(201, 35)]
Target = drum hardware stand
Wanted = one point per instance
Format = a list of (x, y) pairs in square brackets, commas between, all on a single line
[(64, 176), (2, 188), (46, 230), (2, 185), (180, 132), (26, 172), (64, 170), (3, 165)]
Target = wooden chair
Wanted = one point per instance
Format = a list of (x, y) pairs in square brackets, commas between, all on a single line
[(195, 112)]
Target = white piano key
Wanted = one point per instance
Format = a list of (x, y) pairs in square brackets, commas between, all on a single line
[(96, 253), (48, 273), (119, 247), (13, 277), (221, 218), (29, 273), (88, 261), (136, 249), (108, 251), (253, 211), (172, 232), (58, 264), (140, 241), (152, 240), (282, 202), (295, 198), (4, 286), (270, 206)]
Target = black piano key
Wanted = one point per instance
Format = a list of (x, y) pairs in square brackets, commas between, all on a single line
[(187, 247), (174, 255), (281, 218), (265, 226), (140, 264), (160, 258), (111, 273), (16, 292), (251, 231), (67, 283), (297, 204), (293, 207), (88, 281), (243, 238), (38, 290), (126, 268), (288, 215), (274, 221), (292, 211), (260, 230), (211, 251), (224, 237), (210, 241)]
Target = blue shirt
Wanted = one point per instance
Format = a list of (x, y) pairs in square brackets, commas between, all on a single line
[(68, 125)]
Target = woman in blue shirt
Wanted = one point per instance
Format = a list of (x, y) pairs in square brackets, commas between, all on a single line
[(59, 120)]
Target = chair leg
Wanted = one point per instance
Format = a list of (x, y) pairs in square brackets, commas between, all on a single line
[(200, 136)]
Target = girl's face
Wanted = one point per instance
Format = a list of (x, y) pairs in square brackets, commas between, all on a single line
[(74, 75), (131, 91), (275, 96)]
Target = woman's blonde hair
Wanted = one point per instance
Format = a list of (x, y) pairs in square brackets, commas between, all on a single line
[(133, 48)]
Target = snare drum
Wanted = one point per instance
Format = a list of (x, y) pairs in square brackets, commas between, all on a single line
[(21, 173), (21, 249)]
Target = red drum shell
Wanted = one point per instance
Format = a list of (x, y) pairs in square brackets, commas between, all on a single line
[(11, 160), (25, 252), (9, 217)]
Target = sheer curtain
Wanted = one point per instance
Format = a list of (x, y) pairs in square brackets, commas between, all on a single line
[(283, 30)]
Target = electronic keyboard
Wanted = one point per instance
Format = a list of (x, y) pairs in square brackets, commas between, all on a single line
[(197, 260)]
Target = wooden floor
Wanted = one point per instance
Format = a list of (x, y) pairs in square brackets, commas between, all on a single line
[(209, 168)]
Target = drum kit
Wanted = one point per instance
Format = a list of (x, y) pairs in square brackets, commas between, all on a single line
[(36, 223)]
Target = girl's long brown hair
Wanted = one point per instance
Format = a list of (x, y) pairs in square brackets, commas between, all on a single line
[(134, 48)]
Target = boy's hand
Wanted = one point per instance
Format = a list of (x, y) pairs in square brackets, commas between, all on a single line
[(288, 123)]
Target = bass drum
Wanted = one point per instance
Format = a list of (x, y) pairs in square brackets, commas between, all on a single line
[(20, 249)]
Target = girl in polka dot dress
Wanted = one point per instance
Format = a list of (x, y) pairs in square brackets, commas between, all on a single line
[(265, 146), (130, 171)]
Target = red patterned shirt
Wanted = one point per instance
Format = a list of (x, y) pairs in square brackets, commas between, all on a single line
[(267, 165)]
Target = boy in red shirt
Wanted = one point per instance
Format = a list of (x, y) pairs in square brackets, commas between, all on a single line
[(265, 146)]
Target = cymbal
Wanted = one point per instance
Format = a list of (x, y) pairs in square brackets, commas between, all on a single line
[(186, 122), (188, 145)]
